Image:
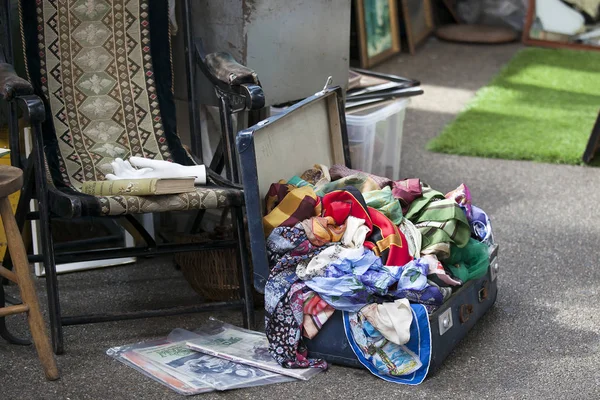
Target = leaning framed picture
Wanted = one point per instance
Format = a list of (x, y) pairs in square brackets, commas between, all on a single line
[(418, 21), (377, 28)]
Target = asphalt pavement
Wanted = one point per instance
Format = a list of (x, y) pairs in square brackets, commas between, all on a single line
[(539, 341)]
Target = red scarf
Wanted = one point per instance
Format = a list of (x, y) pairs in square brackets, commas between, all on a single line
[(384, 238)]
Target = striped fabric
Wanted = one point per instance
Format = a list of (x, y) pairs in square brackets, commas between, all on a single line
[(439, 220), (287, 205), (385, 239)]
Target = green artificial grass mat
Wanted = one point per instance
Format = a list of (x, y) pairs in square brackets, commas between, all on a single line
[(542, 107)]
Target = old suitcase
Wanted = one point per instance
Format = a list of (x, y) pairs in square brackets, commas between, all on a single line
[(313, 132)]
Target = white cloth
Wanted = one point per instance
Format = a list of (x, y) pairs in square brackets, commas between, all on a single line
[(316, 266), (355, 233), (413, 237), (392, 320), (141, 168), (350, 248)]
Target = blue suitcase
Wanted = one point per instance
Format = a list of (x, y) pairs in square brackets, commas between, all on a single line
[(313, 131)]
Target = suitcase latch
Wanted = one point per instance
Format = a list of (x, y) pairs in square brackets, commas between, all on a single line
[(445, 321), (465, 312), (494, 267)]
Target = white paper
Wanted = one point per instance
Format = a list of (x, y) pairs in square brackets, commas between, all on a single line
[(197, 369), (244, 347)]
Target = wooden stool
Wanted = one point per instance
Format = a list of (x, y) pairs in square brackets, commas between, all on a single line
[(11, 180)]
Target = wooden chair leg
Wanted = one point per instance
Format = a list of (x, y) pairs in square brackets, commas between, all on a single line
[(28, 294)]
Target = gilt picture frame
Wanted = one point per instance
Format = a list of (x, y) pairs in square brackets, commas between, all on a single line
[(533, 36), (378, 31)]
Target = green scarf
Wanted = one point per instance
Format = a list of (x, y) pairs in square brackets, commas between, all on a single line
[(439, 220), (383, 200)]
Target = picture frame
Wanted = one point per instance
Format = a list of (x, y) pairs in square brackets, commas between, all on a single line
[(528, 40), (418, 22), (378, 31)]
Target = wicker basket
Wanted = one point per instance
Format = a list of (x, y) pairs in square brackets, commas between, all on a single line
[(213, 274)]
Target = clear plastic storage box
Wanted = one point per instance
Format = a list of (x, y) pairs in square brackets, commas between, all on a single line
[(375, 137)]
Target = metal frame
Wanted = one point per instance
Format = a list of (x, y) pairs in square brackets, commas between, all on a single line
[(233, 99)]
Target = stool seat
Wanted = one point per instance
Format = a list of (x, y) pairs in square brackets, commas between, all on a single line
[(11, 180)]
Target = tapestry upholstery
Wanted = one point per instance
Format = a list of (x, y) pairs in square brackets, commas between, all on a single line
[(202, 198), (96, 70)]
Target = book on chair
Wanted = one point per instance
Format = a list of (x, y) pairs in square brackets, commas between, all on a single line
[(139, 187)]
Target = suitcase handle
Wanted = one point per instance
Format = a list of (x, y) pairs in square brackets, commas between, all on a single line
[(465, 312), (483, 292)]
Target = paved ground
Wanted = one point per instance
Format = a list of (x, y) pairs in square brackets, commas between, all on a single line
[(540, 341)]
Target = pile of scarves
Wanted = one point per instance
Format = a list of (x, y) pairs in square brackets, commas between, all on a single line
[(340, 239)]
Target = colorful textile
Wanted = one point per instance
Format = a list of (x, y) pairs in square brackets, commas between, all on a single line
[(469, 262), (284, 296), (431, 297), (387, 360), (383, 201), (351, 283), (387, 241), (439, 250), (462, 196), (356, 232), (444, 290), (349, 279), (317, 265), (406, 192), (318, 175), (322, 230), (316, 313), (439, 220), (481, 226), (413, 237), (288, 205), (419, 204), (298, 182), (437, 269), (361, 181), (391, 319), (339, 171), (342, 203), (276, 193), (414, 275), (388, 357)]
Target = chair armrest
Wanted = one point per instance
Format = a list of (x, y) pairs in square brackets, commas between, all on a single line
[(238, 83), (223, 67), (11, 84), (217, 179)]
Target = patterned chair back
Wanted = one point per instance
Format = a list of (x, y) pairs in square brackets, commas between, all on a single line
[(104, 70)]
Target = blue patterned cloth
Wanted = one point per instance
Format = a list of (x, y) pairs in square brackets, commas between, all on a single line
[(407, 364), (350, 284)]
